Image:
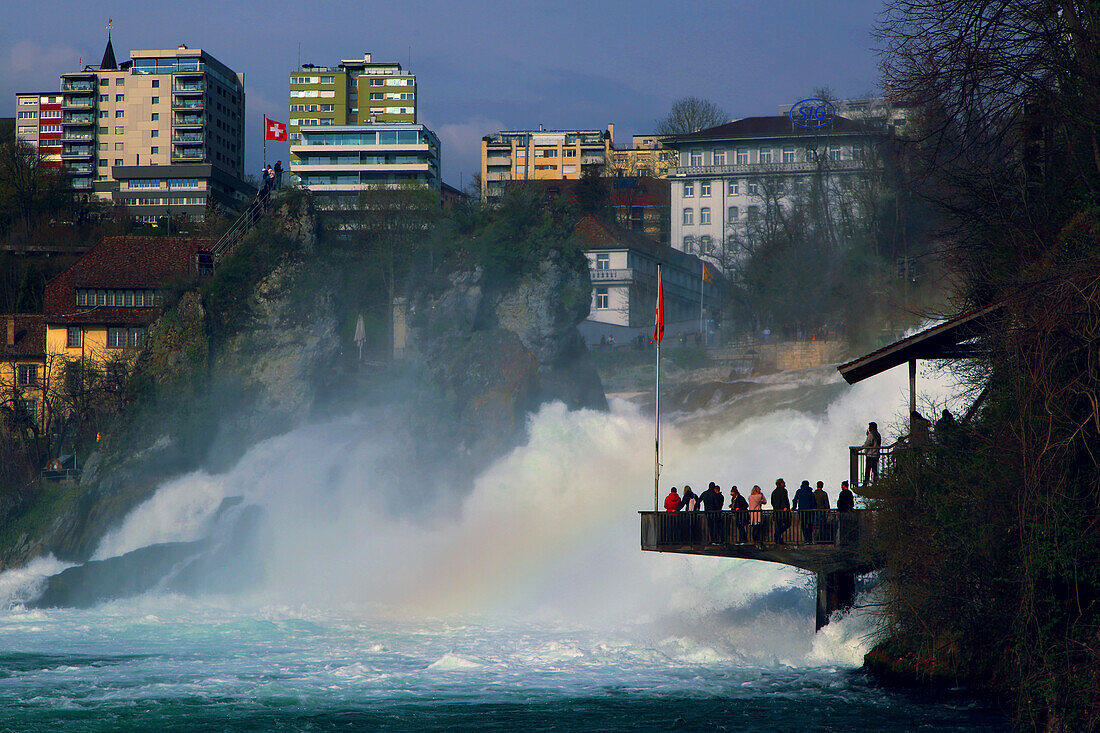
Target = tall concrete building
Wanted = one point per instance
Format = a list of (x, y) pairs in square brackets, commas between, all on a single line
[(162, 132), (354, 92), (536, 155)]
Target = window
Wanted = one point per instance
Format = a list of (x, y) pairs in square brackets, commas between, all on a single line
[(706, 245), (704, 188), (119, 146), (734, 188), (835, 154), (572, 153), (377, 82), (377, 95), (696, 157), (155, 116), (734, 214), (156, 83), (154, 133), (119, 114), (788, 155), (118, 161), (104, 131), (104, 114), (686, 245), (857, 150), (102, 162), (120, 97), (120, 130), (689, 189), (765, 156), (753, 188), (601, 299), (120, 81), (327, 80), (719, 157), (104, 97), (704, 215), (103, 146), (27, 375), (29, 408), (154, 150), (104, 82), (156, 100), (116, 338), (28, 115), (742, 157), (689, 216), (603, 261)]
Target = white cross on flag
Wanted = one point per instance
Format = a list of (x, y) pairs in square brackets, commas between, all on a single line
[(274, 130)]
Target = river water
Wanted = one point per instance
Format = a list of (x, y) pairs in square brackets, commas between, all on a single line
[(522, 604)]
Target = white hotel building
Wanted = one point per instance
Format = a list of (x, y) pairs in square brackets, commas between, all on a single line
[(724, 170)]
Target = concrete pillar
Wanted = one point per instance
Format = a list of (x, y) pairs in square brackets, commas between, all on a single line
[(836, 591)]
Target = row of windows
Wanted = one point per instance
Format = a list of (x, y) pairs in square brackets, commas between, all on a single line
[(313, 80), (405, 82), (167, 201), (396, 137), (171, 183), (547, 153), (312, 108), (733, 188), (788, 154), (117, 338), (392, 110), (362, 159), (733, 213), (119, 298), (311, 93)]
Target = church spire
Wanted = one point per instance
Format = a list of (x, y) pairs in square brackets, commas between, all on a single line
[(108, 62)]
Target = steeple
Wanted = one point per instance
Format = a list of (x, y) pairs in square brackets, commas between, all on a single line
[(108, 62)]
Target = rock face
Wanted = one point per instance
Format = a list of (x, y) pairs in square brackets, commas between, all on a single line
[(482, 356)]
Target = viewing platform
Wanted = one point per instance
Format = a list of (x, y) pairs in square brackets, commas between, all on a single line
[(831, 544)]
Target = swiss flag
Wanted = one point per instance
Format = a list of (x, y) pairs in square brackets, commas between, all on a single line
[(274, 130), (659, 320)]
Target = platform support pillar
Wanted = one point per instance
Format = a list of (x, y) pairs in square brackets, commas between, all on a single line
[(836, 591)]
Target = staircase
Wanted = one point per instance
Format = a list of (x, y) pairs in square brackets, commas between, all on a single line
[(242, 226)]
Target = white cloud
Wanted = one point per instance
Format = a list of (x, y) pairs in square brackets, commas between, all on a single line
[(461, 143)]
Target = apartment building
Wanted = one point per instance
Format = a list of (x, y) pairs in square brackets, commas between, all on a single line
[(339, 161), (724, 173), (532, 155), (38, 123), (354, 92), (162, 132), (647, 155)]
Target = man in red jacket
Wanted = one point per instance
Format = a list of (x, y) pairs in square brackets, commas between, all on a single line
[(672, 501), (670, 527)]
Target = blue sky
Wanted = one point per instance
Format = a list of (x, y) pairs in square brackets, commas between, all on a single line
[(481, 65)]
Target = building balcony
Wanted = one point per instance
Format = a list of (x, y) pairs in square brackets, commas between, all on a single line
[(623, 275), (187, 138), (79, 167), (188, 154), (85, 183), (78, 119), (79, 103), (196, 104), (72, 135), (755, 169), (78, 151), (187, 121), (188, 88), (78, 86), (592, 160)]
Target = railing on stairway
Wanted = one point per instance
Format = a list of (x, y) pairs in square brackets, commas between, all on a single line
[(242, 226)]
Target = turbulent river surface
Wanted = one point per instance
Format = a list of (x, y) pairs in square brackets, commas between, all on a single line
[(523, 603)]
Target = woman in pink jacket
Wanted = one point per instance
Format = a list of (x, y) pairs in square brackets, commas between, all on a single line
[(756, 500)]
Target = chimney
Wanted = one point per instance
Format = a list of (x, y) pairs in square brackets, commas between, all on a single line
[(11, 330), (611, 131), (366, 57)]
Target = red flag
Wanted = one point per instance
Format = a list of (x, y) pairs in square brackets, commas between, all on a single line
[(274, 130), (659, 321)]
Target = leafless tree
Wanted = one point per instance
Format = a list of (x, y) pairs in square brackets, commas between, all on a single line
[(691, 114)]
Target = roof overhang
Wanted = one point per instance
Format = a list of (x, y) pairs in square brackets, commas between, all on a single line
[(947, 340)]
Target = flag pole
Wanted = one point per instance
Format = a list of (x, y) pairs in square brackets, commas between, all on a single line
[(702, 279), (264, 126), (659, 333)]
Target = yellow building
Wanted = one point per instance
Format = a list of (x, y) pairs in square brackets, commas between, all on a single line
[(646, 156), (23, 367), (539, 155)]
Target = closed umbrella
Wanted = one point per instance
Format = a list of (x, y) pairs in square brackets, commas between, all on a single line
[(360, 335)]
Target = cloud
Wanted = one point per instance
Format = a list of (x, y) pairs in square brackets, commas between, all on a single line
[(30, 66)]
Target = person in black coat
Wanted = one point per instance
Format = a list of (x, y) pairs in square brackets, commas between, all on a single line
[(805, 504), (781, 506), (846, 525), (740, 506), (712, 501), (846, 502)]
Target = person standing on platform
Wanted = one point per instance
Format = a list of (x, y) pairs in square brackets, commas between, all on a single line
[(781, 505), (672, 501), (805, 505), (821, 516), (756, 500), (712, 502), (739, 506), (845, 503), (871, 447), (278, 171)]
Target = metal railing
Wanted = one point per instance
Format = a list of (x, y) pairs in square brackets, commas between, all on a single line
[(242, 226), (766, 527), (863, 469), (187, 104)]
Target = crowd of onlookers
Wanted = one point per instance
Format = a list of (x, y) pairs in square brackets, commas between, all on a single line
[(815, 515)]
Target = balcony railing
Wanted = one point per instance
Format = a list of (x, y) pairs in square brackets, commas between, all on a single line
[(77, 152), (621, 275), (188, 88), (78, 120), (698, 530), (79, 102), (187, 137), (862, 467), (187, 103), (78, 86), (749, 169), (82, 183), (187, 154), (69, 135), (187, 121), (78, 167)]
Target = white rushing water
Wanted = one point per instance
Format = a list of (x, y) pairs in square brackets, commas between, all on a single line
[(529, 590)]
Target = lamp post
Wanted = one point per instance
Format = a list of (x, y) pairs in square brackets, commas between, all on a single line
[(168, 211)]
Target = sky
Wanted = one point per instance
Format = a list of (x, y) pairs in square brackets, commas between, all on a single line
[(481, 65)]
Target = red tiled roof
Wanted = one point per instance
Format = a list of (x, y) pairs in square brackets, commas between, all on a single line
[(30, 336), (121, 263), (752, 127)]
